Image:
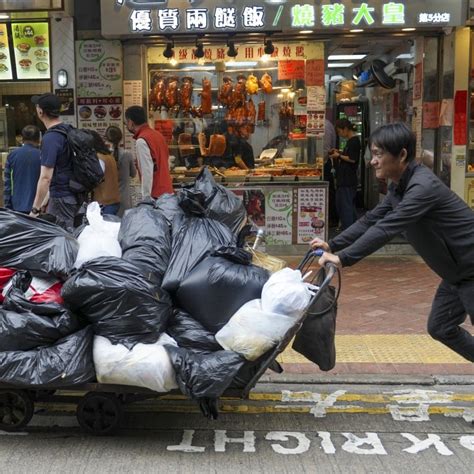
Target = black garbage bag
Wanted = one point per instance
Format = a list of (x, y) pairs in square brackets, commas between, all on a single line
[(145, 238), (25, 325), (166, 204), (316, 338), (192, 202), (193, 238), (221, 204), (67, 362), (219, 286), (190, 334), (32, 244), (121, 305), (204, 375)]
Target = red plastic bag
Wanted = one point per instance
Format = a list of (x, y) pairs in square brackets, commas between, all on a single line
[(45, 290), (5, 276)]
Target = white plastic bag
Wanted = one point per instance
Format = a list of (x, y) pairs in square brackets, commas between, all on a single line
[(146, 365), (252, 331), (286, 293), (99, 238)]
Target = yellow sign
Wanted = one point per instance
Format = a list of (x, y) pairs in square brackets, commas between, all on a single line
[(6, 73), (469, 192)]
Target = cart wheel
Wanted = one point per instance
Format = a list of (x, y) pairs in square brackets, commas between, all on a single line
[(99, 413), (16, 410)]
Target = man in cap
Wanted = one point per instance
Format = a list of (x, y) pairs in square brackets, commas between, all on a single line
[(56, 164)]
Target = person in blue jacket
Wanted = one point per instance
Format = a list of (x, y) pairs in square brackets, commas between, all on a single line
[(22, 171)]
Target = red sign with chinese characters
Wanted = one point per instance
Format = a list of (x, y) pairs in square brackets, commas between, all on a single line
[(292, 69), (460, 118), (315, 72)]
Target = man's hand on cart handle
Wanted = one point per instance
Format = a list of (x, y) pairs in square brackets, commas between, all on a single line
[(318, 243), (329, 258)]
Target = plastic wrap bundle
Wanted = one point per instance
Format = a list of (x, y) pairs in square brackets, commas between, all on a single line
[(224, 282), (146, 365), (145, 238), (65, 363), (111, 294), (193, 238), (35, 245)]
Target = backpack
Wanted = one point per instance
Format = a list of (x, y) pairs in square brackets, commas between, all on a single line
[(86, 167)]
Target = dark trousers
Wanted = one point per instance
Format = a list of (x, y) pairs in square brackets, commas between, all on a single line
[(64, 209), (345, 205), (451, 305)]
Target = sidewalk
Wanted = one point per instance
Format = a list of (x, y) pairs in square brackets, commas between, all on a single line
[(381, 324)]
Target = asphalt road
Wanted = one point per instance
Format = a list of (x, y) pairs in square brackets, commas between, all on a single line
[(330, 429)]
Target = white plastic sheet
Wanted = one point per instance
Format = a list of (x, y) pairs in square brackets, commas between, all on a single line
[(146, 365), (99, 238)]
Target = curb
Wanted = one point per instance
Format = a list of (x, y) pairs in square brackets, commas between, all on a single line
[(368, 379)]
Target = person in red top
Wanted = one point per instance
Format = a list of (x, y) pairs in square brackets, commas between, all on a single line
[(152, 154)]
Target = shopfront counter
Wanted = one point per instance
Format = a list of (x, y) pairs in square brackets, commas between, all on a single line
[(291, 212)]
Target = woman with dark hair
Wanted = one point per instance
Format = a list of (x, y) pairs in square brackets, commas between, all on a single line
[(106, 193), (346, 164), (126, 166), (435, 221)]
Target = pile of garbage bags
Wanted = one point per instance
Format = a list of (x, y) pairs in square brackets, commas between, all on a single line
[(164, 299)]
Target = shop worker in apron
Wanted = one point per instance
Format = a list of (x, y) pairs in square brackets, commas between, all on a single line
[(436, 222), (152, 154)]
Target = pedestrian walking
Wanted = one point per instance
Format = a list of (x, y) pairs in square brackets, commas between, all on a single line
[(56, 164), (346, 164), (22, 171), (106, 193), (436, 222), (126, 167), (152, 154)]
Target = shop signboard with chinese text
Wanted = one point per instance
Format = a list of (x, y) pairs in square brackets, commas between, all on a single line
[(31, 5), (99, 84), (32, 50), (129, 17), (6, 73)]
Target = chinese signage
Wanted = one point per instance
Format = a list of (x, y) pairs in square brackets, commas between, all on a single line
[(247, 52), (32, 54), (311, 214), (128, 17), (291, 69), (99, 84), (5, 59), (278, 218)]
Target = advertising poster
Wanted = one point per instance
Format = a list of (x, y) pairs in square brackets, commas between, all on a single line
[(316, 105), (99, 84), (254, 202), (291, 69), (311, 208), (278, 217), (6, 73), (470, 192), (32, 53), (431, 114), (132, 95), (315, 72), (67, 101)]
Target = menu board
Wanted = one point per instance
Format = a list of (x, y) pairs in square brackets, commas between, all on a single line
[(6, 73), (311, 214), (32, 54), (99, 84)]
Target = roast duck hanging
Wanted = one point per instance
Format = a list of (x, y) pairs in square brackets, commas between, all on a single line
[(206, 97), (251, 85), (225, 92), (266, 83), (185, 94), (171, 94), (158, 93)]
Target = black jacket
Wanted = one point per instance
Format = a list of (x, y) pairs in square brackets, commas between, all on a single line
[(436, 222)]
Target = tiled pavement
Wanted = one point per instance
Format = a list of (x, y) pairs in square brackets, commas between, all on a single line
[(381, 322)]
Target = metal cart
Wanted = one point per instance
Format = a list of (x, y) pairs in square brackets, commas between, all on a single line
[(100, 406)]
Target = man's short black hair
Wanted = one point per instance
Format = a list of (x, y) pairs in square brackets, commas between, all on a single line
[(393, 138), (31, 133), (136, 114)]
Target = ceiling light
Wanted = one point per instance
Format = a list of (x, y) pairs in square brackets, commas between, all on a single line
[(199, 51), (346, 57), (356, 31), (173, 61), (341, 65), (168, 53), (408, 29), (4, 16), (265, 58), (306, 32), (269, 48), (231, 52)]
